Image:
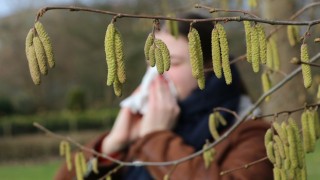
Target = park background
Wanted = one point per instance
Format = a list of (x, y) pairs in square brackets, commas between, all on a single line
[(73, 99)]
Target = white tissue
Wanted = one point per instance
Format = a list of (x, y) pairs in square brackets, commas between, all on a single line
[(138, 102)]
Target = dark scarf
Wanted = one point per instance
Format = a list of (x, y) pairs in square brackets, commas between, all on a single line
[(192, 125)]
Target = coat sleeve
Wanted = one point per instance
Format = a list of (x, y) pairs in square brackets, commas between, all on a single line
[(244, 145)]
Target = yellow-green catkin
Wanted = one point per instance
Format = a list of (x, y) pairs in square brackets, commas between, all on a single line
[(152, 57), (224, 47), (252, 3), (95, 165), (32, 58), (306, 69), (216, 54), (83, 163), (213, 126), (269, 62), (220, 118), (159, 60), (293, 34), (207, 156), (110, 53), (316, 123), (280, 132), (172, 26), (266, 83), (279, 143), (165, 54), (277, 156), (121, 71), (79, 173), (306, 133), (62, 148), (268, 137), (195, 51), (312, 129), (255, 49), (108, 177), (147, 45), (270, 152), (117, 88), (68, 156), (41, 55), (293, 153), (201, 82), (46, 42), (286, 147), (299, 153), (276, 173), (275, 54), (247, 29), (262, 43)]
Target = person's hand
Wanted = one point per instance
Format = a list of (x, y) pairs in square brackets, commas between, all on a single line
[(163, 109), (124, 131)]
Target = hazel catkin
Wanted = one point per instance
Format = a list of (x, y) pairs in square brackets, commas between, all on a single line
[(110, 53), (306, 133), (159, 60), (152, 58), (32, 59), (224, 47), (255, 49), (213, 126), (41, 55), (266, 83), (121, 72), (46, 42), (306, 69), (195, 51), (247, 29), (165, 54), (148, 43), (293, 34), (312, 129), (262, 43), (216, 54)]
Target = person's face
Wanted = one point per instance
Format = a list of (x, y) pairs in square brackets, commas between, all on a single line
[(180, 71)]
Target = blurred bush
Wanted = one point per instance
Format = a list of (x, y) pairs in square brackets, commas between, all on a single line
[(76, 100), (6, 107)]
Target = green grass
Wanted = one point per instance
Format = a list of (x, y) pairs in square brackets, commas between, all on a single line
[(313, 163), (31, 171)]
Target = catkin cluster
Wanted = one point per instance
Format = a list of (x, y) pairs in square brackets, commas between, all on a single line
[(157, 53), (208, 155), (39, 52), (256, 45), (293, 34), (285, 150), (65, 151), (220, 53), (115, 59), (310, 129), (273, 61), (266, 83), (306, 69), (196, 57), (215, 119)]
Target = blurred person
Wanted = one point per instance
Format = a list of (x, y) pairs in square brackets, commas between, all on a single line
[(176, 124)]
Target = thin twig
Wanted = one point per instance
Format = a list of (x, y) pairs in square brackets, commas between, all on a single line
[(212, 10), (228, 111), (246, 166)]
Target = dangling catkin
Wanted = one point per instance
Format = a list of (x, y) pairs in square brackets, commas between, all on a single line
[(255, 49), (262, 43), (159, 60), (318, 93), (46, 42), (152, 58), (276, 173), (280, 132), (299, 146), (62, 148), (312, 129), (121, 72), (195, 51), (268, 137), (68, 156), (224, 53), (32, 59), (117, 88), (252, 3), (110, 53), (247, 29), (306, 70), (165, 54), (77, 163), (216, 56), (279, 143), (213, 126), (147, 45), (316, 123), (41, 55), (293, 34), (201, 82), (293, 153), (275, 54), (306, 133), (266, 83), (95, 165), (83, 163), (208, 156), (269, 56), (220, 118), (270, 152), (277, 156)]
